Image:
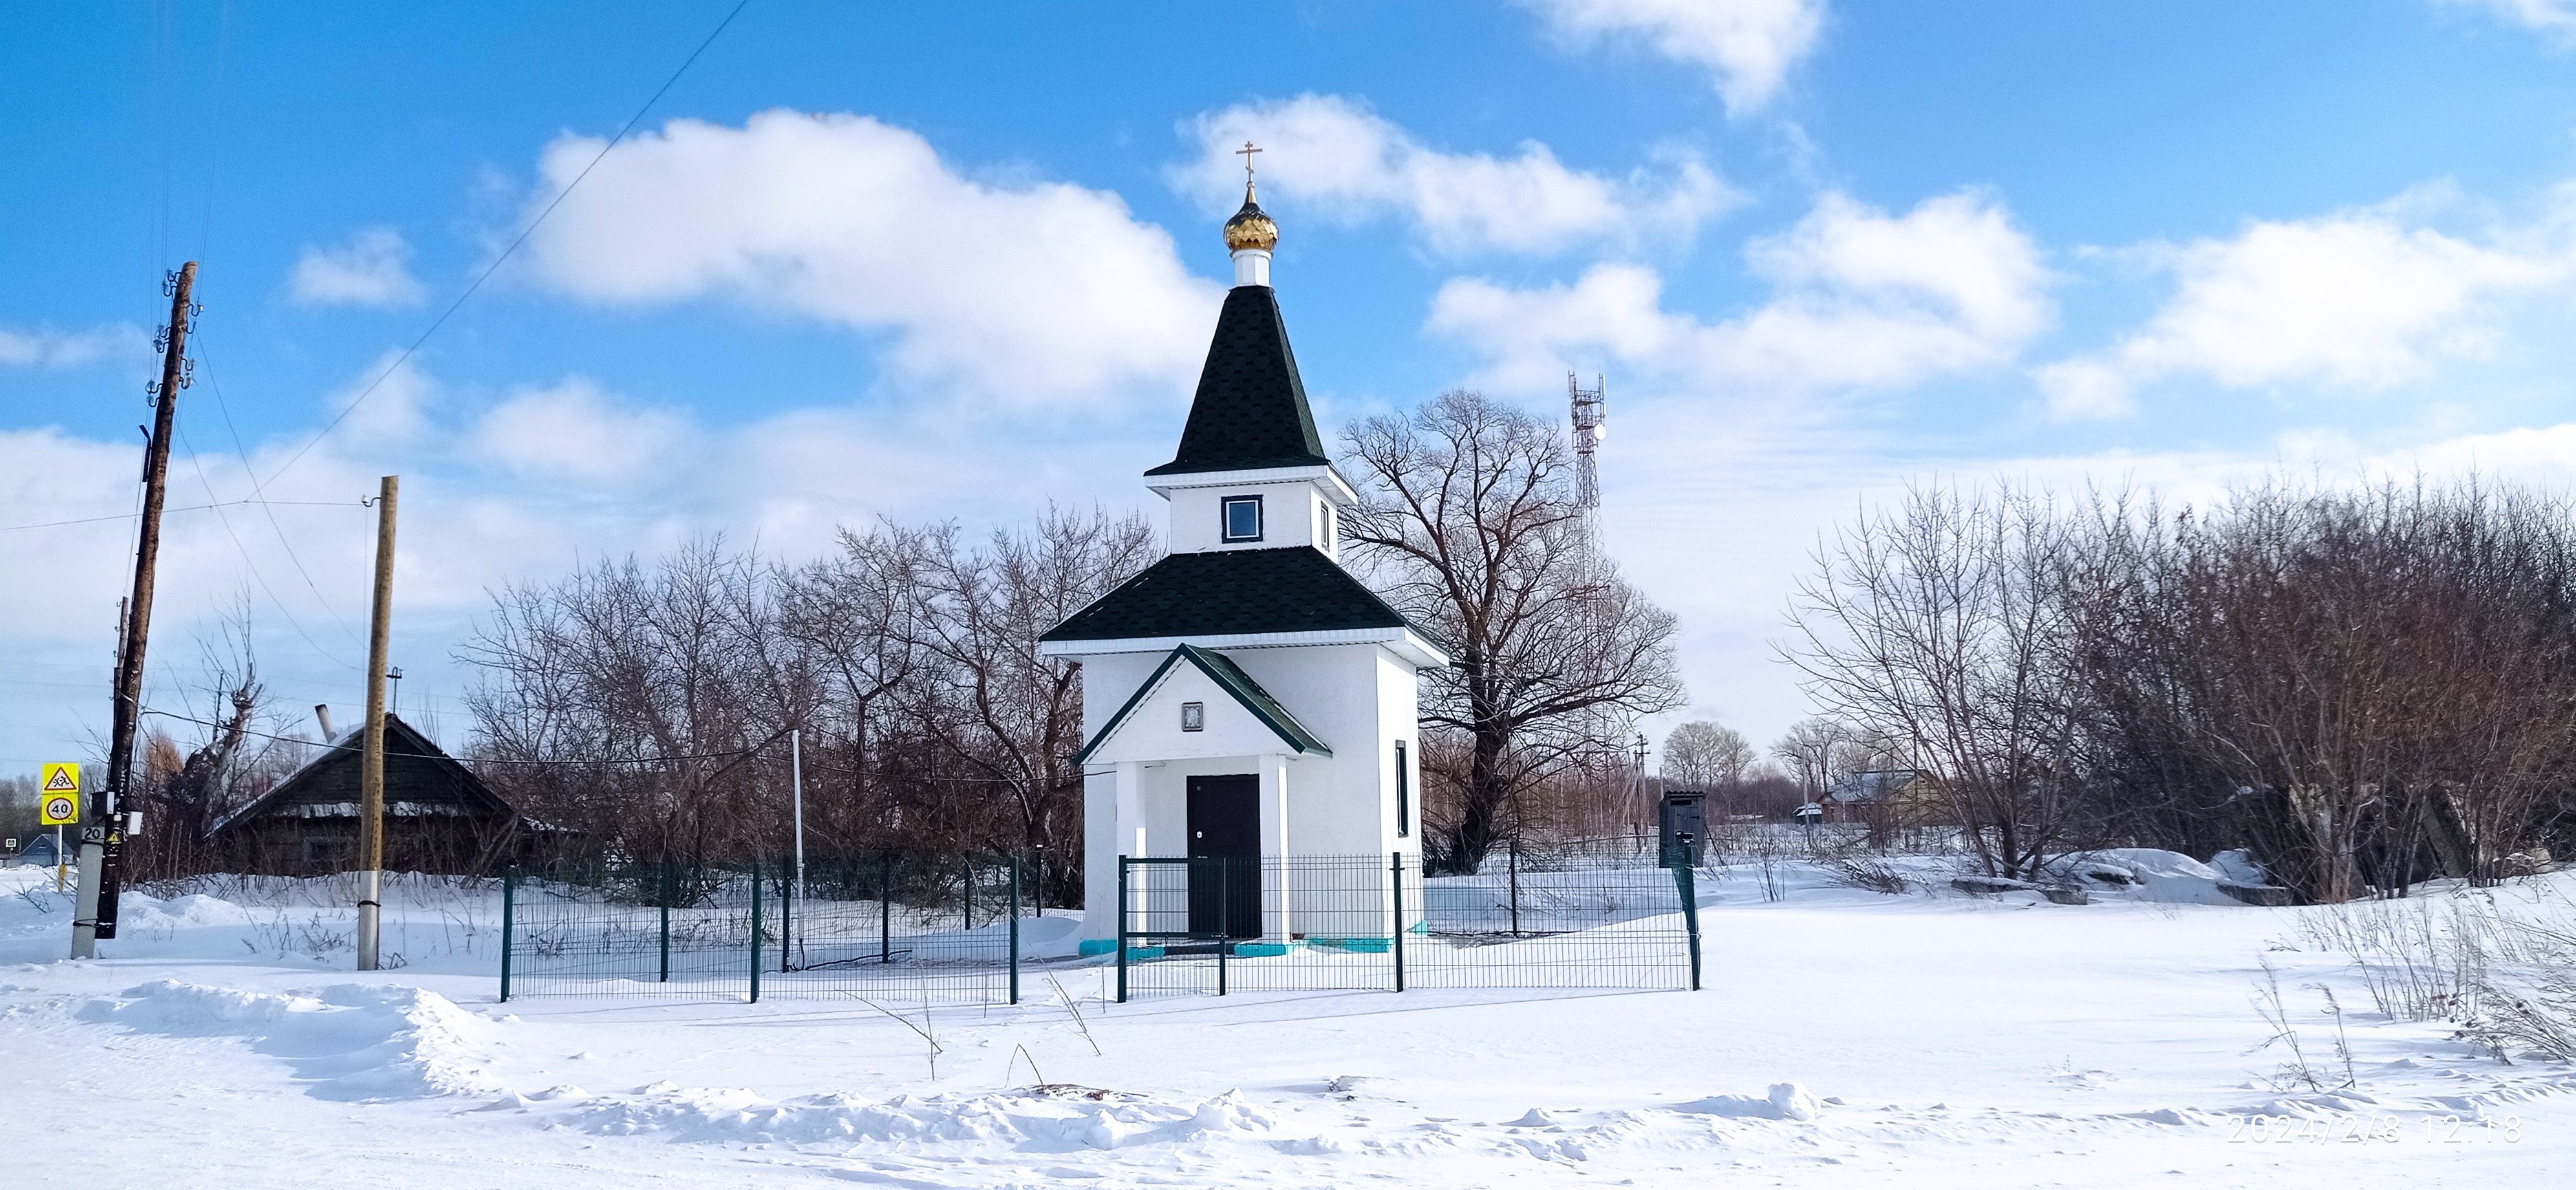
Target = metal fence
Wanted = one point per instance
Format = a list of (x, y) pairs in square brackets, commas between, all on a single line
[(893, 927), (911, 929), (1362, 922)]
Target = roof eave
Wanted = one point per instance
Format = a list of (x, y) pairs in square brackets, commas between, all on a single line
[(1403, 642), (1323, 475)]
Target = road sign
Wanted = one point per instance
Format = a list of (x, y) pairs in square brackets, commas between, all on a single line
[(61, 778), (60, 809)]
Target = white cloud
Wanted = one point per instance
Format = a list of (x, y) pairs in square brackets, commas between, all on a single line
[(1862, 299), (2356, 299), (1021, 294), (45, 347), (370, 270), (388, 402), (578, 432), (2551, 16), (1749, 45), (1333, 156)]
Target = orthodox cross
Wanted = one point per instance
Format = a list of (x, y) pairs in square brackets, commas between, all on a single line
[(1246, 153)]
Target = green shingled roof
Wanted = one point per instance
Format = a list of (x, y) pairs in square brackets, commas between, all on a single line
[(1226, 592), (1250, 411), (1230, 677)]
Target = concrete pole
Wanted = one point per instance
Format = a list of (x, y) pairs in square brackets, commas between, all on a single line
[(371, 762)]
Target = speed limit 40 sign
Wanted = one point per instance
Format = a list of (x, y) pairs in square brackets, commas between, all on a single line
[(60, 795)]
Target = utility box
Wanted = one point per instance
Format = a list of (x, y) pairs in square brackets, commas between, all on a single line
[(1683, 819)]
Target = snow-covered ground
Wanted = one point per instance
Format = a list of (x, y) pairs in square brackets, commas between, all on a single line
[(1846, 1038)]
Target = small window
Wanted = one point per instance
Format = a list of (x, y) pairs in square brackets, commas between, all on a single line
[(1403, 793), (1243, 518), (1194, 716), (1332, 530)]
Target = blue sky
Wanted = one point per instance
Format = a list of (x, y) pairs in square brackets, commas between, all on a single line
[(929, 261)]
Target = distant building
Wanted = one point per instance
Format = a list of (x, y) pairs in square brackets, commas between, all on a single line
[(439, 816), (1870, 796), (39, 850)]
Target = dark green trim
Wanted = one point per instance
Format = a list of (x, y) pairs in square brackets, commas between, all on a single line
[(1228, 676)]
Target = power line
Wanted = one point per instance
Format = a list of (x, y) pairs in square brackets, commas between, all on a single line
[(330, 747), (506, 253), (127, 516), (260, 491), (198, 461)]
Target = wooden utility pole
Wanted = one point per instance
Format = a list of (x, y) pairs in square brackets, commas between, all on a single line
[(371, 763), (102, 844)]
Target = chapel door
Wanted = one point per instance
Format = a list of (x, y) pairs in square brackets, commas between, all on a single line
[(1225, 821)]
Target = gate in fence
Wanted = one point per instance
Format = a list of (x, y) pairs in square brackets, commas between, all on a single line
[(1582, 920), (911, 929)]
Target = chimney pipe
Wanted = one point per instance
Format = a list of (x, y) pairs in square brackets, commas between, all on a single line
[(322, 713)]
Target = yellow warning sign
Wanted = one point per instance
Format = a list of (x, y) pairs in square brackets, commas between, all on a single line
[(60, 809), (62, 778)]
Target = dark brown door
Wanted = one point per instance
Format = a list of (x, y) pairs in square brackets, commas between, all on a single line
[(1225, 823)]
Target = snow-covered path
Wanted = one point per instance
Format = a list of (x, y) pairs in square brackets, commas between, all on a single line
[(1934, 1041)]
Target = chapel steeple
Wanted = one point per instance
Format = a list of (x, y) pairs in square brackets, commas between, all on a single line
[(1250, 412)]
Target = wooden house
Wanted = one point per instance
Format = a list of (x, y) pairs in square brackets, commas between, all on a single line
[(439, 817)]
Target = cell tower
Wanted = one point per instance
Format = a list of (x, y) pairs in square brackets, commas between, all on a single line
[(1605, 728), (1589, 430)]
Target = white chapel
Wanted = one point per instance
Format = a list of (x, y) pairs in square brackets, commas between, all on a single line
[(1246, 697)]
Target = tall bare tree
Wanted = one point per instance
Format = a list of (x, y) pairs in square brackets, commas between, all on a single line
[(1468, 517), (1942, 622), (625, 698), (1008, 716), (1707, 756)]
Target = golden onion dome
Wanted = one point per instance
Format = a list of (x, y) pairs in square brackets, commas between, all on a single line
[(1251, 227)]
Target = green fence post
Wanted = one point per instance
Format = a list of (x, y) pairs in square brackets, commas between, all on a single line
[(970, 895), (1224, 922), (509, 888), (1015, 929), (755, 931), (1395, 869), (1122, 929), (670, 890), (885, 910), (1687, 883), (786, 921)]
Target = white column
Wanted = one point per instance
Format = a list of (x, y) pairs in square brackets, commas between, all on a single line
[(1131, 808), (1131, 829), (1274, 842)]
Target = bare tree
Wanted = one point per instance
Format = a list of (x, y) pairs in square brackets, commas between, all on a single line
[(1010, 717), (1811, 750), (1942, 623), (856, 614), (1707, 756), (225, 762), (627, 698), (2364, 686), (1469, 518)]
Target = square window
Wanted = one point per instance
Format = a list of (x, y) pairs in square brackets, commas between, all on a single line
[(1243, 518), (1194, 716)]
